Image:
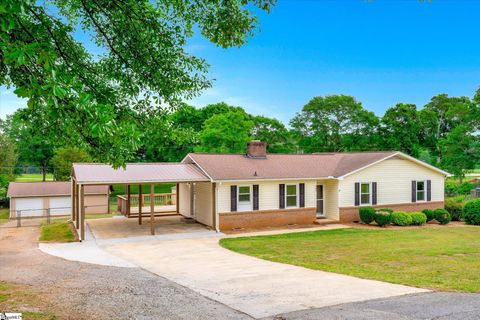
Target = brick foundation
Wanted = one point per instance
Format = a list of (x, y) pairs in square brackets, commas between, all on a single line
[(266, 218), (350, 214)]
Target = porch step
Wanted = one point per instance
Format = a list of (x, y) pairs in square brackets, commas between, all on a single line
[(324, 221)]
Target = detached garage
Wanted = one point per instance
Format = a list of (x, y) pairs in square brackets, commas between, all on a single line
[(33, 199)]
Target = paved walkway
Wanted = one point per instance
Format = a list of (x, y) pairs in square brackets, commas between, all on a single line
[(256, 287)]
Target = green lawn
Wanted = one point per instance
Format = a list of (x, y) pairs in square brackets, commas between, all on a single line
[(57, 231), (33, 177), (443, 258), (4, 215), (159, 188)]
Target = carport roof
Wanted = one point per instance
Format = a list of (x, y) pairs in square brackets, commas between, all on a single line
[(98, 173), (43, 189)]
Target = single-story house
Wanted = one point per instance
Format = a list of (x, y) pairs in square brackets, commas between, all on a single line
[(256, 189), (33, 199)]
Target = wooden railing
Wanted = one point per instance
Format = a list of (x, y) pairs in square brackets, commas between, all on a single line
[(159, 199)]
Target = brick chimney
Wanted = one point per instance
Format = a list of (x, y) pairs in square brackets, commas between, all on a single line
[(257, 149)]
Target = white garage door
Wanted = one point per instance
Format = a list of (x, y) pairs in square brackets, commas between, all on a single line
[(30, 207), (60, 205)]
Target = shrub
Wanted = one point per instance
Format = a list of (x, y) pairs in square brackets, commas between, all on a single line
[(455, 207), (442, 216), (367, 214), (430, 214), (382, 218), (418, 218), (465, 188), (471, 212), (401, 218), (385, 210), (451, 189)]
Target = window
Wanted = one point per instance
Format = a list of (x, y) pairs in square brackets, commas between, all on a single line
[(291, 195), (421, 190), (365, 193), (244, 194)]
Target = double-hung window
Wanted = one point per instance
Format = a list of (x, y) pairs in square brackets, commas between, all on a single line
[(244, 194), (291, 195), (421, 186), (365, 193)]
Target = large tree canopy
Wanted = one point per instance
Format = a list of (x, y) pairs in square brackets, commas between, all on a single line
[(94, 100), (335, 123)]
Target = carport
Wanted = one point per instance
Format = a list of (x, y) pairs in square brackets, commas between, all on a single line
[(185, 176)]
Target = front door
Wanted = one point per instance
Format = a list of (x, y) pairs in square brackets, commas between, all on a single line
[(320, 201)]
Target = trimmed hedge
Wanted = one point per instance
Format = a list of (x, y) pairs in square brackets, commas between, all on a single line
[(430, 214), (471, 212), (418, 218), (442, 216), (401, 218), (455, 207), (382, 218), (385, 210), (367, 214)]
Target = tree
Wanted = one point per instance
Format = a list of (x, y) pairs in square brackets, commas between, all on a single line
[(335, 123), (33, 143), (8, 160), (460, 151), (274, 133), (440, 116), (226, 133), (63, 159), (400, 129), (93, 99)]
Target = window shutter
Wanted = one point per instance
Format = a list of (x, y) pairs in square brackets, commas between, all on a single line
[(429, 190), (414, 191), (233, 198), (281, 195), (357, 193), (302, 194), (374, 193), (255, 197)]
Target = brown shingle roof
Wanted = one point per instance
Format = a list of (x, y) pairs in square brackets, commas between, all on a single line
[(137, 172), (40, 189), (284, 166)]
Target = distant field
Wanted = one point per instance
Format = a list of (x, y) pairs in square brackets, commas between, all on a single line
[(33, 177)]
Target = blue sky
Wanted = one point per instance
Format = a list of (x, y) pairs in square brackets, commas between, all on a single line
[(381, 52)]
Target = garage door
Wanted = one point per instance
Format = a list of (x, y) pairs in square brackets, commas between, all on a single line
[(29, 207), (60, 205)]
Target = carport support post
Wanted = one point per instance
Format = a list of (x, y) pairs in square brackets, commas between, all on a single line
[(77, 206), (82, 212), (72, 193), (177, 202), (152, 209), (140, 204), (128, 200)]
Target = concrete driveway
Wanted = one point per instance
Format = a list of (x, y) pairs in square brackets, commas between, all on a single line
[(256, 287)]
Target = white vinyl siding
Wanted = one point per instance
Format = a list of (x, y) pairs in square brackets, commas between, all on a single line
[(184, 206), (394, 182), (203, 203), (268, 194)]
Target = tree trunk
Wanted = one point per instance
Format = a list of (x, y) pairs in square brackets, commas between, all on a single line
[(44, 174)]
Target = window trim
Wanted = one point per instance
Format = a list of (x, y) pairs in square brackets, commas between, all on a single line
[(370, 194), (424, 190), (250, 193), (297, 195)]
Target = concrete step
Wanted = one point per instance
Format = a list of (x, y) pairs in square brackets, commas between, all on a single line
[(324, 221)]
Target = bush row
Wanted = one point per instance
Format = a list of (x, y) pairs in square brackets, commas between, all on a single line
[(386, 216)]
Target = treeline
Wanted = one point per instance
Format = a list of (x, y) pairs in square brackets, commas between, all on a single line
[(445, 133)]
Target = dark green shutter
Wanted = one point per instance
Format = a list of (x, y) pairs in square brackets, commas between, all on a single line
[(255, 197), (281, 195), (233, 198), (357, 193), (302, 194)]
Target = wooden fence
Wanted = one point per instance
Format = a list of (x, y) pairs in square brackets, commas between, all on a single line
[(159, 199)]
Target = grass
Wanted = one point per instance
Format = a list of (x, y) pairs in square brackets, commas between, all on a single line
[(442, 258), (159, 188), (57, 231), (18, 298), (4, 215), (33, 177)]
